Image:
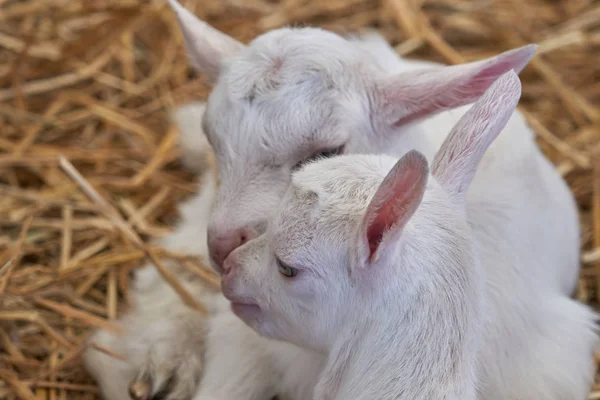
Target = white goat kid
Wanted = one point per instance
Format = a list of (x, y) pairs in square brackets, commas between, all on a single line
[(407, 289)]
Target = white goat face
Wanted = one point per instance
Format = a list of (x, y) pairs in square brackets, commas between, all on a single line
[(277, 105), (306, 276), (293, 95), (297, 274)]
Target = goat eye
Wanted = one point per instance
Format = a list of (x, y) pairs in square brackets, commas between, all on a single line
[(327, 153), (286, 270)]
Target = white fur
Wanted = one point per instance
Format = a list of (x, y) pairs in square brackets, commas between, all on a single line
[(256, 142), (439, 308), (193, 144)]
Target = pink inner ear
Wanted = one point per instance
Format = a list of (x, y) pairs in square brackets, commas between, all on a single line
[(478, 84), (399, 198), (376, 231), (455, 90), (456, 161), (444, 97)]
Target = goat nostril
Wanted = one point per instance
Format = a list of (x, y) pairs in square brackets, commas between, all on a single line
[(221, 246)]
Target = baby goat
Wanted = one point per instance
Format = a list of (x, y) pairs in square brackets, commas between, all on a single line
[(410, 292)]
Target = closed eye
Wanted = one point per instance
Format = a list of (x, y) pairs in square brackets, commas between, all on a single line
[(286, 270), (326, 153)]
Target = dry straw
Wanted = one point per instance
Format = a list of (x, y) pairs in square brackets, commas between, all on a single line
[(90, 171)]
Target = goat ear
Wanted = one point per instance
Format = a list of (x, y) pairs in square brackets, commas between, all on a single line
[(394, 203), (455, 164), (413, 95), (206, 46)]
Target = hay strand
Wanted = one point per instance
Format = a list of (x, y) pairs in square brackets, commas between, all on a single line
[(113, 215)]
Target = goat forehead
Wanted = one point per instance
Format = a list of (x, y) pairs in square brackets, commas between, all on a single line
[(283, 39), (352, 176), (330, 196), (287, 89), (289, 60), (306, 47), (315, 237)]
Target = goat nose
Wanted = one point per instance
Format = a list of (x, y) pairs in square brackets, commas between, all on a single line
[(227, 269), (220, 246)]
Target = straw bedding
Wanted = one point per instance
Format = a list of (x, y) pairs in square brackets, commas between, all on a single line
[(89, 166)]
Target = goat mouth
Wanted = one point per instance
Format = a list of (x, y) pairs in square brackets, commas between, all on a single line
[(245, 311)]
